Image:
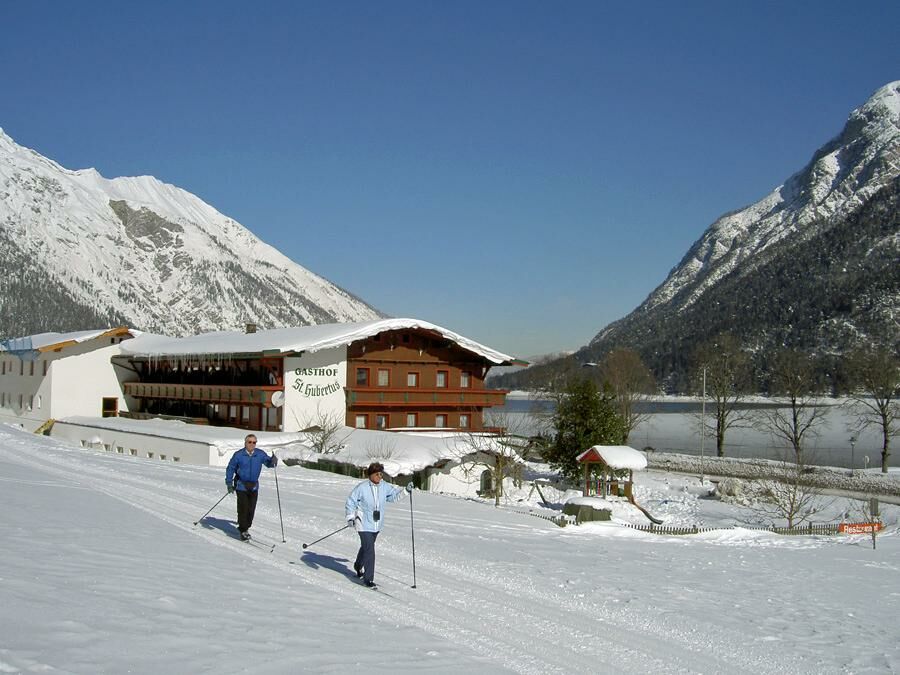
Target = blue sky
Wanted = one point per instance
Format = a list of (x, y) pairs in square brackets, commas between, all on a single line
[(520, 172)]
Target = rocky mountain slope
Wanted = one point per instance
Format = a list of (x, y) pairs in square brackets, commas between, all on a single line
[(79, 251)]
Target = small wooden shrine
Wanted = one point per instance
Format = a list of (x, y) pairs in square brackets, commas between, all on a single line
[(606, 460)]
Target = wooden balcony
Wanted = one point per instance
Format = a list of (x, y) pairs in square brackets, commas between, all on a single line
[(383, 397), (204, 393)]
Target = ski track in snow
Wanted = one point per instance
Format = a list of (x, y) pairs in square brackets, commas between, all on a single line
[(515, 616)]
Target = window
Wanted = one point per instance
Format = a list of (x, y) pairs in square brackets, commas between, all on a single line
[(362, 421), (120, 450), (245, 413), (132, 452), (464, 421), (362, 377), (109, 407), (38, 401), (31, 402), (162, 456), (46, 367), (31, 368), (384, 377), (464, 378), (412, 419), (440, 421), (149, 455), (381, 421), (412, 379), (176, 459), (441, 380), (4, 367)]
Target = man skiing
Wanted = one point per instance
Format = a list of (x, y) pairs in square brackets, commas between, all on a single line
[(242, 475), (365, 512)]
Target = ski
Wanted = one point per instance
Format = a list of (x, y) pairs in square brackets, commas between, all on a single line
[(264, 546), (376, 587), (260, 545)]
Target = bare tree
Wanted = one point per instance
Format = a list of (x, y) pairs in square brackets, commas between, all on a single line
[(727, 382), (631, 383), (789, 495), (793, 378), (876, 377), (325, 431), (499, 453), (869, 512), (381, 448)]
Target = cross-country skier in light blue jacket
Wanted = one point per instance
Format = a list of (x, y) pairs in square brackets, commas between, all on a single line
[(365, 512)]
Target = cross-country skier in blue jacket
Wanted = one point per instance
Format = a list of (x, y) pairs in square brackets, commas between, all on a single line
[(365, 512), (242, 475)]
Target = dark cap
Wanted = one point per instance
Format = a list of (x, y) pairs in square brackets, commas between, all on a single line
[(374, 467)]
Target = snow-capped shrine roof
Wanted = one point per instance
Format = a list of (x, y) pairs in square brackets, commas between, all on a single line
[(297, 339), (615, 456)]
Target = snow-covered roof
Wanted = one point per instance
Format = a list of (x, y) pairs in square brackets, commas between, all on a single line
[(223, 438), (615, 456), (297, 339), (47, 341)]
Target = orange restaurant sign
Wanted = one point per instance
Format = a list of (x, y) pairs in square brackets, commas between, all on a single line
[(859, 528)]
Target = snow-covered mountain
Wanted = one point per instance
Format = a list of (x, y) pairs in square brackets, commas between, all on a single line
[(813, 265), (78, 249), (839, 180)]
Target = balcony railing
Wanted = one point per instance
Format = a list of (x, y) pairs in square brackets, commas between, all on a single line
[(204, 393), (424, 398)]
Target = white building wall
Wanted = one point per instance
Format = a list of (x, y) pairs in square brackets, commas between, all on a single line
[(78, 378), (453, 480), (314, 389), (80, 382), (146, 446)]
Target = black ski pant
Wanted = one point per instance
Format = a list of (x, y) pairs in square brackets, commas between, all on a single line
[(365, 559), (246, 507)]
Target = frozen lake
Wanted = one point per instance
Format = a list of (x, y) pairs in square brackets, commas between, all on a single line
[(673, 426)]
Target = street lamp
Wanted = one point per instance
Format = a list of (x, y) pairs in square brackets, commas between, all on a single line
[(853, 440)]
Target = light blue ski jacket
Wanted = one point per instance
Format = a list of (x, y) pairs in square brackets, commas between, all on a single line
[(363, 503)]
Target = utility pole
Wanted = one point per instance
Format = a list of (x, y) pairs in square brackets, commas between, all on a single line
[(702, 425)]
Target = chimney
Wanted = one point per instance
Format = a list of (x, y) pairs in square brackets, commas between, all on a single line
[(251, 328)]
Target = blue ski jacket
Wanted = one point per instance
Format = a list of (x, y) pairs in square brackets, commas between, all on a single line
[(364, 501), (246, 467)]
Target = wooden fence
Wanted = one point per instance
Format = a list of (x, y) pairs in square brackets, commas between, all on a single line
[(808, 529)]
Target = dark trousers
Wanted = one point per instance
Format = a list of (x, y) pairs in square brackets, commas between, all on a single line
[(365, 559), (246, 507)]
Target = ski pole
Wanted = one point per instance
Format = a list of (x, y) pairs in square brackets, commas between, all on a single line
[(210, 511), (327, 535), (275, 469), (412, 531)]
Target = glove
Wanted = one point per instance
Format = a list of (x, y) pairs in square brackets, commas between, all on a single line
[(230, 488), (351, 522), (409, 487), (274, 460)]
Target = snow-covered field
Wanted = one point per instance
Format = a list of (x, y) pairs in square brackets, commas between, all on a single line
[(103, 571)]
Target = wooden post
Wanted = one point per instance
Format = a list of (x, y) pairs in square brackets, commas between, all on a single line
[(587, 480)]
